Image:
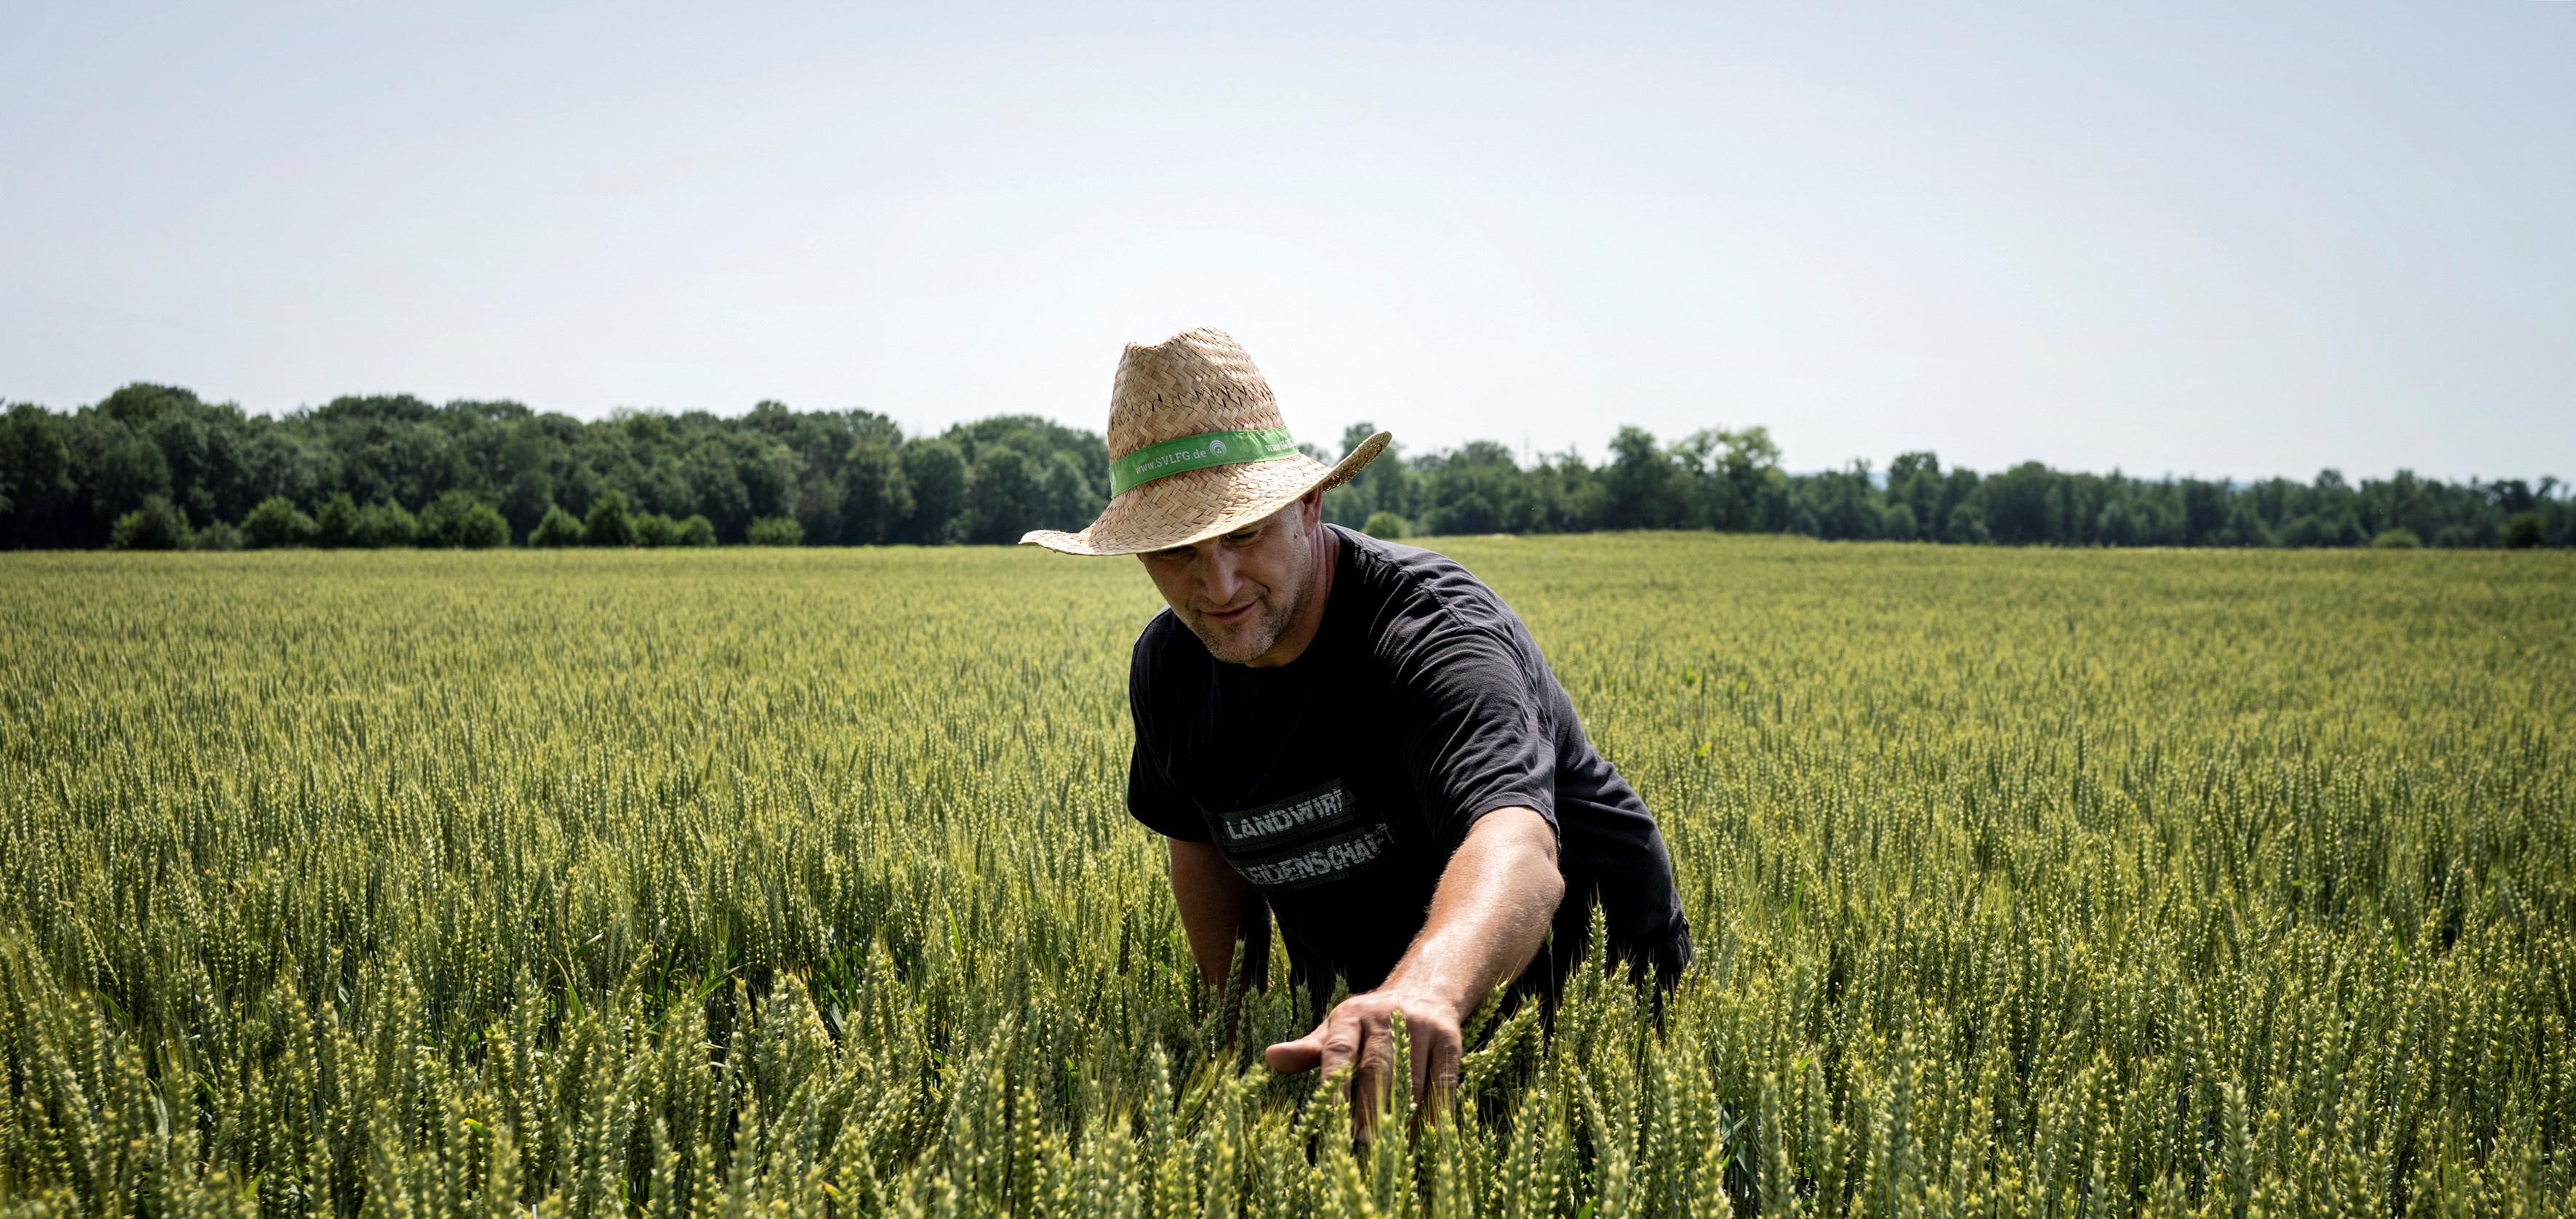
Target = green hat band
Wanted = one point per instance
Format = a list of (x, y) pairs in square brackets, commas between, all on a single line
[(1197, 453)]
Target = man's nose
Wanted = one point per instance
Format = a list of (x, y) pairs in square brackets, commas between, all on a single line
[(1223, 580)]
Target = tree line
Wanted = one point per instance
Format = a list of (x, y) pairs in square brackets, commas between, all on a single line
[(1732, 481), (156, 467)]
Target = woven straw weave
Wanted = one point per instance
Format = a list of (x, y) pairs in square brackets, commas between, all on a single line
[(1195, 381)]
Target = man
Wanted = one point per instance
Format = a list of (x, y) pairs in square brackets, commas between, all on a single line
[(1360, 737)]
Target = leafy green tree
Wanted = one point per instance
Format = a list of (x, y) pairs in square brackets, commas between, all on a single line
[(1961, 516), (654, 530), (130, 471), (2525, 531), (1476, 488), (1967, 524), (1386, 525), (2017, 505), (715, 476), (2461, 536), (769, 470), (607, 524), (2399, 538), (1025, 473), (1899, 525), (529, 496), (2115, 525), (1006, 497), (1641, 480), (1568, 494), (383, 524), (2204, 513), (157, 525), (819, 501), (1070, 495), (936, 472), (1384, 485), (697, 531), (336, 522), (1038, 440), (876, 498), (458, 520), (277, 523), (2246, 525), (1838, 506), (219, 536), (36, 482), (558, 528), (775, 531), (1914, 483), (2512, 495), (1727, 474)]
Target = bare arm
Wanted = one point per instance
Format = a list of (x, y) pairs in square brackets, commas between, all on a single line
[(1488, 918), (1212, 897)]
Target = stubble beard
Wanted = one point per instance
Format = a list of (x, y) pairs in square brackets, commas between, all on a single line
[(1247, 642)]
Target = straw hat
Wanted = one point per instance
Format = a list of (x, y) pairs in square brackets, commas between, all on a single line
[(1196, 448)]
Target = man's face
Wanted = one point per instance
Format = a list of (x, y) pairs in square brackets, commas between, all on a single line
[(1241, 592)]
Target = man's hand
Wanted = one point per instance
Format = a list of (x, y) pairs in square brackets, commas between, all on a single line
[(1359, 1035), (1488, 917)]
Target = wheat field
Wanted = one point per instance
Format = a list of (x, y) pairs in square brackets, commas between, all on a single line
[(797, 882)]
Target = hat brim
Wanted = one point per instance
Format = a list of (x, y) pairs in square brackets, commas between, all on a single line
[(1196, 505)]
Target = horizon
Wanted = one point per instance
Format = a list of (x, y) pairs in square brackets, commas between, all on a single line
[(2193, 240)]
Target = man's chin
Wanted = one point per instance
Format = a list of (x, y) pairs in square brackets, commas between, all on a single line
[(1236, 653), (1237, 646)]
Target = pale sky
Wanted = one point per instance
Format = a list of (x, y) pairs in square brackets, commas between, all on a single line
[(2216, 239)]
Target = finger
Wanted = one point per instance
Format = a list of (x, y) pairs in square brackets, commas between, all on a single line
[(1342, 1036), (1370, 1075), (1436, 1066), (1376, 1071), (1304, 1054), (1422, 1041), (1435, 1074)]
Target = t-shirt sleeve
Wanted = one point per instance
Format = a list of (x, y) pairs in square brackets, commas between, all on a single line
[(1151, 798), (1477, 741)]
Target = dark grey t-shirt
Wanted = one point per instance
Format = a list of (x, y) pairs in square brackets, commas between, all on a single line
[(1340, 783)]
